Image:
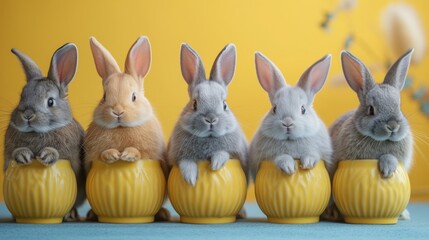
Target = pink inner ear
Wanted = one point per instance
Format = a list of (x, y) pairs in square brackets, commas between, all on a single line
[(139, 57), (224, 66), (227, 67), (104, 61), (265, 74), (352, 72), (65, 68), (318, 76), (188, 63), (63, 65)]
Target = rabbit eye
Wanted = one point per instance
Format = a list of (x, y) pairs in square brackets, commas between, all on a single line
[(371, 111), (225, 107), (134, 97), (194, 106), (303, 110), (274, 109), (51, 102)]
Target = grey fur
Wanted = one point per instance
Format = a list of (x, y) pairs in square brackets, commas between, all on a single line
[(210, 131), (50, 133), (357, 135), (30, 68), (286, 133), (384, 135)]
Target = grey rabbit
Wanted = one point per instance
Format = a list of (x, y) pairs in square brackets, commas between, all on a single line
[(42, 127), (377, 129), (291, 130), (207, 128)]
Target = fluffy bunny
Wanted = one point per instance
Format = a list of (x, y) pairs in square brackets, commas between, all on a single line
[(207, 128), (42, 126), (377, 129), (124, 127), (291, 129)]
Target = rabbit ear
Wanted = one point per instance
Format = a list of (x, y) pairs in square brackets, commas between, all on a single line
[(224, 66), (269, 76), (139, 58), (356, 73), (63, 64), (398, 71), (192, 67), (104, 62), (32, 71), (314, 77)]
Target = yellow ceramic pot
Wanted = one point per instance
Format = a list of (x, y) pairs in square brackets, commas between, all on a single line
[(126, 192), (363, 196), (298, 198), (35, 193), (217, 196)]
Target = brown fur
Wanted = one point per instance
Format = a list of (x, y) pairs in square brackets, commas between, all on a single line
[(146, 138), (124, 126)]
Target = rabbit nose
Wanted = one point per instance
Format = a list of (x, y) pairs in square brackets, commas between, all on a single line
[(28, 115), (118, 114), (287, 122), (392, 126), (211, 119)]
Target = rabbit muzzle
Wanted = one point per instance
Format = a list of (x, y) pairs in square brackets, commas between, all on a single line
[(288, 124), (28, 115)]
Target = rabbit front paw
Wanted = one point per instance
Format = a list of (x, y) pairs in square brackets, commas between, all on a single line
[(189, 170), (163, 215), (91, 216), (405, 215), (130, 154), (218, 160), (110, 155), (241, 214), (308, 162), (332, 214), (48, 156), (23, 155), (387, 165), (72, 216), (286, 163)]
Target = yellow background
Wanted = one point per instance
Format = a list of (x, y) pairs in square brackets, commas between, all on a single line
[(288, 32)]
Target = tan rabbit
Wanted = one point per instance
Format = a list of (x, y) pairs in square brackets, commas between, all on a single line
[(124, 125)]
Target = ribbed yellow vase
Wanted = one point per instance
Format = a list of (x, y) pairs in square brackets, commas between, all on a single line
[(126, 192), (295, 199), (35, 193), (217, 196), (363, 196)]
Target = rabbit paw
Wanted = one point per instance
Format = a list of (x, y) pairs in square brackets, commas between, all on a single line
[(23, 155), (48, 156), (72, 216), (308, 162), (189, 170), (387, 165), (91, 216), (218, 160), (110, 155), (163, 215), (241, 214), (405, 215), (285, 163), (332, 213), (130, 154)]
